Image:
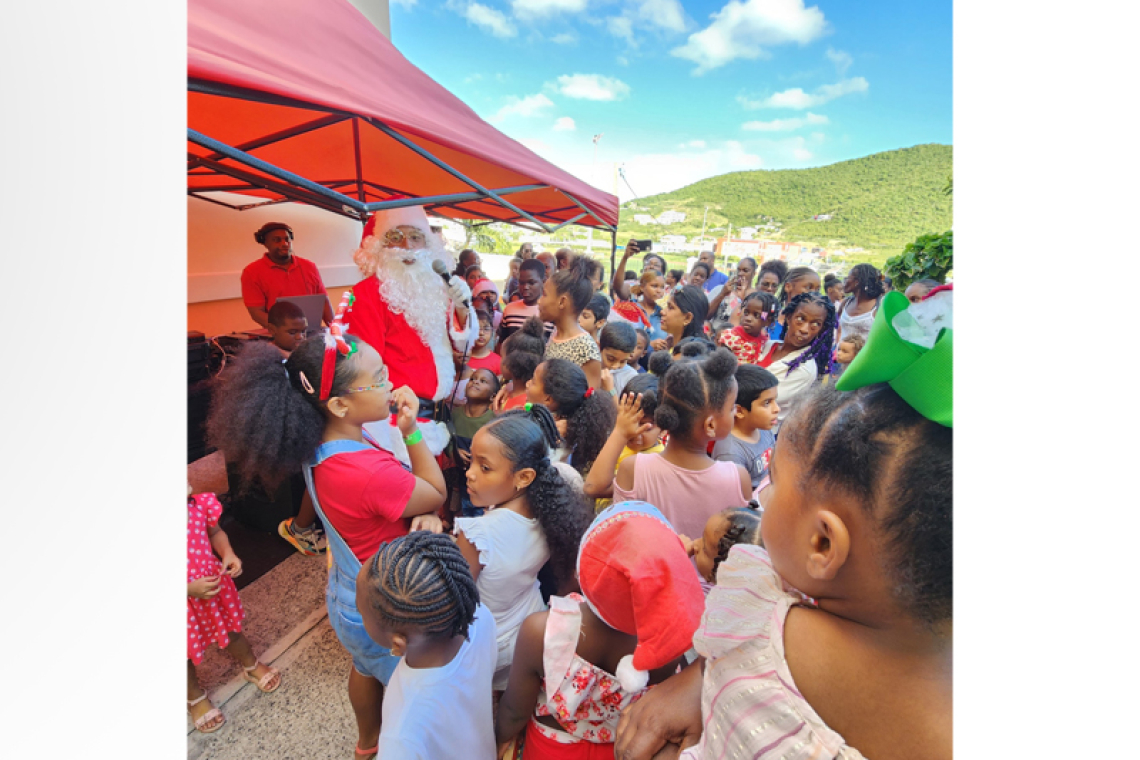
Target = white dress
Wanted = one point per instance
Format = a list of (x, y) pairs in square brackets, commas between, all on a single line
[(512, 550)]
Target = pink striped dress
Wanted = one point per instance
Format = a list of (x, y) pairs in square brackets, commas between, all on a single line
[(749, 703)]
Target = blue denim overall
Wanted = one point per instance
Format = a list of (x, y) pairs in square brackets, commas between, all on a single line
[(368, 657)]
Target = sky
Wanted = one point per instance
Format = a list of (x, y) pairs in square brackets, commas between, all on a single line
[(681, 90)]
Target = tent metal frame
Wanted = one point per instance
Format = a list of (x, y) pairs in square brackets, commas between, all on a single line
[(255, 172)]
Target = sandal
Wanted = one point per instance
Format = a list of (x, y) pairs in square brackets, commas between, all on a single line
[(210, 715), (363, 752), (260, 683)]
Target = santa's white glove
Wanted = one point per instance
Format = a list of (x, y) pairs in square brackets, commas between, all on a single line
[(458, 291)]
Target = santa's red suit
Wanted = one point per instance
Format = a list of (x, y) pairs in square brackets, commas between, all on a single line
[(404, 310)]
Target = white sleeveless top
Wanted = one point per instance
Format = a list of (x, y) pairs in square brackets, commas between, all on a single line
[(512, 550), (860, 325)]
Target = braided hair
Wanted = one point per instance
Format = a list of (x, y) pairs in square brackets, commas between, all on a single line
[(263, 415), (869, 279), (692, 300), (874, 447), (820, 348), (743, 528), (590, 415), (422, 581), (767, 303), (692, 390), (563, 513)]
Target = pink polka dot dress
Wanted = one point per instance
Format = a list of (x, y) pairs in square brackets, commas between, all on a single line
[(208, 621)]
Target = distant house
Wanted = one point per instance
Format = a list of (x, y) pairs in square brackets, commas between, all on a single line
[(670, 217), (822, 217), (747, 233), (644, 219)]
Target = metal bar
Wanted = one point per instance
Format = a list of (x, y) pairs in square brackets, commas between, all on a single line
[(289, 191), (578, 203), (261, 142), (453, 172), (274, 171), (570, 221), (245, 93), (356, 150), (194, 194), (454, 198)]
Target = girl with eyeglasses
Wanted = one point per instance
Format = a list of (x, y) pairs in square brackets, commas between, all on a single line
[(272, 419)]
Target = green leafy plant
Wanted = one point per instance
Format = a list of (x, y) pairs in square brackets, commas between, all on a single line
[(929, 257)]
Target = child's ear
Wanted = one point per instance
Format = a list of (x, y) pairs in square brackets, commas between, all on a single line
[(399, 644), (739, 412), (710, 426), (830, 545), (524, 478), (337, 407)]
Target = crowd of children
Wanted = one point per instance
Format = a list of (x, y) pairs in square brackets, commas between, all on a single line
[(614, 528)]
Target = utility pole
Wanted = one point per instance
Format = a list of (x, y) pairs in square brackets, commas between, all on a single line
[(705, 222)]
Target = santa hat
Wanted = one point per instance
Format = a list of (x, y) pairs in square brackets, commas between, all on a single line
[(410, 216), (636, 576)]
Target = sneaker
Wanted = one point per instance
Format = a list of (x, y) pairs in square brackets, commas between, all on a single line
[(307, 542)]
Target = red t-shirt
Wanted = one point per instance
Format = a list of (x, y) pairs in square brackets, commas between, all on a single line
[(263, 282), (491, 361), (364, 494), (518, 402)]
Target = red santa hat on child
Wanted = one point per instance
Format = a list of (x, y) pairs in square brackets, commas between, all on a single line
[(636, 576)]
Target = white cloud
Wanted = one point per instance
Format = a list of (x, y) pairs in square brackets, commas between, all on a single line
[(784, 125), (661, 172), (565, 124), (798, 99), (818, 136), (490, 20), (405, 3), (666, 14), (841, 60), (620, 27), (801, 154), (622, 60), (592, 87), (531, 105), (472, 78), (532, 9), (746, 29), (566, 38), (693, 144)]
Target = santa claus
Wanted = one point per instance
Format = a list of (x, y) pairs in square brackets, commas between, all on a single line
[(404, 310)]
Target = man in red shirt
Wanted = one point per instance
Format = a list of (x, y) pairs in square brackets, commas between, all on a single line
[(279, 273)]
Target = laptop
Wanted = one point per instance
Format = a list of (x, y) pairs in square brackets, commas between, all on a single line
[(314, 308)]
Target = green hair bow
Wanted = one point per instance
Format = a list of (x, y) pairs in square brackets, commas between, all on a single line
[(923, 377)]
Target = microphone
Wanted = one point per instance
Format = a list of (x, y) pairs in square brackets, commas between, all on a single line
[(441, 269)]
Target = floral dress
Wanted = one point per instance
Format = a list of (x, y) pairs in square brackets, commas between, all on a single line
[(584, 699), (208, 621)]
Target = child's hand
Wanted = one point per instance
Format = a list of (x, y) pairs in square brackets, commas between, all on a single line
[(205, 588), (465, 456), (689, 544), (560, 425), (660, 344), (407, 405), (231, 565), (430, 523), (499, 401), (629, 423), (607, 381)]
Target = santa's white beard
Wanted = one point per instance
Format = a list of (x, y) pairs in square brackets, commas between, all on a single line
[(412, 289)]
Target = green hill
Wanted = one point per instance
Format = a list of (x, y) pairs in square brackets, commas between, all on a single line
[(879, 202)]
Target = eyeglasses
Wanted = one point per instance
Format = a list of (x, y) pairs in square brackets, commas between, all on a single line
[(375, 387), (398, 237)]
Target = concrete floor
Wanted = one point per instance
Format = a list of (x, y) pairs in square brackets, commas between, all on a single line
[(309, 716)]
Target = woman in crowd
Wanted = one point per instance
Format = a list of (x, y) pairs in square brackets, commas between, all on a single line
[(864, 287)]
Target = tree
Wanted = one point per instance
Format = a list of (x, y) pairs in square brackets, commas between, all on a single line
[(929, 257)]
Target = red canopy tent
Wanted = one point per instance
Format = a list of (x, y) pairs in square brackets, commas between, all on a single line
[(305, 100)]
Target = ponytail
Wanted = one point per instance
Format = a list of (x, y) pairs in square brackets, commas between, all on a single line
[(589, 415)]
